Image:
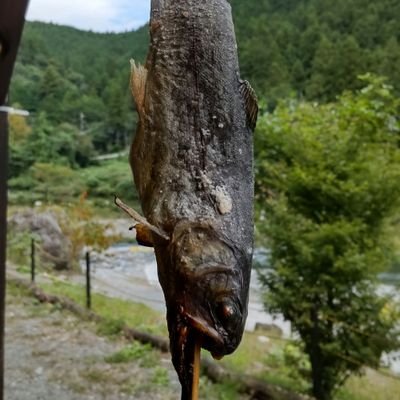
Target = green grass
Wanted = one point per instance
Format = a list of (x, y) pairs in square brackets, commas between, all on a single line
[(160, 377), (16, 291), (371, 386), (249, 351), (220, 391), (136, 351), (116, 312)]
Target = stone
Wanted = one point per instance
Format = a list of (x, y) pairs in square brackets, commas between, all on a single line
[(55, 246)]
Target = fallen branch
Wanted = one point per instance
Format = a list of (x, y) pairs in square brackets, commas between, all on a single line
[(157, 342)]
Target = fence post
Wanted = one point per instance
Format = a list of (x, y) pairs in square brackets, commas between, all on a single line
[(88, 287), (33, 261)]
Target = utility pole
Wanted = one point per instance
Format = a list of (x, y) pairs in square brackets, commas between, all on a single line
[(12, 18)]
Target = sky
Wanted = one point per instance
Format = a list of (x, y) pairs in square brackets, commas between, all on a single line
[(96, 15)]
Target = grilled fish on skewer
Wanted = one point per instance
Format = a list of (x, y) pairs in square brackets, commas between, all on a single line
[(192, 164)]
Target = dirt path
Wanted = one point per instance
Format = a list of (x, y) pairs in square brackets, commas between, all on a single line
[(51, 355)]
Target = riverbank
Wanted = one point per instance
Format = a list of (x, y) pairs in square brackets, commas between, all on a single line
[(274, 360)]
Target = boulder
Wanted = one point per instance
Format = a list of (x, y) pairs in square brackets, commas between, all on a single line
[(55, 246)]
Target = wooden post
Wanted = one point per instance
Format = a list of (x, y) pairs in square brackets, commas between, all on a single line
[(12, 17), (88, 283), (3, 236), (33, 263)]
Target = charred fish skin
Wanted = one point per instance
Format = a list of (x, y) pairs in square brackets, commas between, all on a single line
[(192, 164)]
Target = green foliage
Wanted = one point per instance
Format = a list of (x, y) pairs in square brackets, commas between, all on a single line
[(19, 129), (327, 183), (80, 101), (78, 223), (60, 184), (287, 366), (297, 363), (85, 85), (316, 48), (19, 247), (46, 182), (160, 377), (110, 178), (111, 327), (220, 391), (48, 144)]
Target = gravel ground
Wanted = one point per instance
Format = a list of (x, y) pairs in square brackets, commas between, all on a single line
[(51, 355)]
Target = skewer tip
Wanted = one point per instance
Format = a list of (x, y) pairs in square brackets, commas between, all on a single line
[(196, 370)]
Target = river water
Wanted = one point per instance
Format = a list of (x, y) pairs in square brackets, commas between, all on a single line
[(130, 272)]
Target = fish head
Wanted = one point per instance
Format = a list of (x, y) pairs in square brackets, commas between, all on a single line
[(211, 292)]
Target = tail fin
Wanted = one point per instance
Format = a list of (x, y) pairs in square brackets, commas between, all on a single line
[(138, 85)]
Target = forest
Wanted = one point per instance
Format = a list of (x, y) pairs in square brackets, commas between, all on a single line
[(76, 83), (327, 156)]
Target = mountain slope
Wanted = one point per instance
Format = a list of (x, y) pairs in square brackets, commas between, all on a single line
[(316, 48), (312, 49)]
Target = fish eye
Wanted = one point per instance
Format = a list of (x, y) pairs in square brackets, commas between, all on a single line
[(229, 315)]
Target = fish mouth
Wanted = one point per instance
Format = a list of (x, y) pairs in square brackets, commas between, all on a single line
[(211, 339), (204, 329), (190, 333)]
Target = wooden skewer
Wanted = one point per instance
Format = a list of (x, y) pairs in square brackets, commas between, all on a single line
[(138, 218), (196, 370)]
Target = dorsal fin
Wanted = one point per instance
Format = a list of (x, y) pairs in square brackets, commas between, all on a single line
[(138, 85), (251, 103)]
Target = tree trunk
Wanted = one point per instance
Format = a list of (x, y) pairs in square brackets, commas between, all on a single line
[(316, 359)]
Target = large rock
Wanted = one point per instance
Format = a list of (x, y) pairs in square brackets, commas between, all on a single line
[(55, 246)]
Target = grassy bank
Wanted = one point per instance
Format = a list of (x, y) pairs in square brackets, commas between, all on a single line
[(131, 369), (261, 354)]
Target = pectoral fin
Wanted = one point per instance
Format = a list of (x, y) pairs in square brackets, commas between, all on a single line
[(251, 103), (144, 236)]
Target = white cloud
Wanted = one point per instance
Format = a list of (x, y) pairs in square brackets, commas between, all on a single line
[(97, 15)]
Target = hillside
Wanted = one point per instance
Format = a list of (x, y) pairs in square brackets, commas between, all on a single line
[(76, 83), (80, 78), (316, 48), (312, 48)]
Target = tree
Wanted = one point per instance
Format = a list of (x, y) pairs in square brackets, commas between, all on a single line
[(263, 61), (119, 111), (388, 60), (328, 180), (335, 68)]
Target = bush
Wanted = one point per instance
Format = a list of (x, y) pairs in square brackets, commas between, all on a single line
[(110, 178)]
